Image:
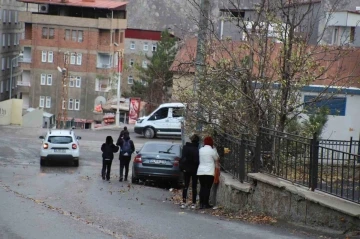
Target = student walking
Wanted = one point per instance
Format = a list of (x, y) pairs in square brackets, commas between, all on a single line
[(121, 136), (126, 149), (208, 158), (189, 165), (108, 149)]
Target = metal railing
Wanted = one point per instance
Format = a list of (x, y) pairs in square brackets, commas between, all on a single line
[(351, 146)]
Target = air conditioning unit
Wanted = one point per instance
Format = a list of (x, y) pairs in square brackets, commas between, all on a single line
[(43, 8)]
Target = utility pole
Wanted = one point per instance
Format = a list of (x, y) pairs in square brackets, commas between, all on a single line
[(117, 118), (62, 111), (200, 53)]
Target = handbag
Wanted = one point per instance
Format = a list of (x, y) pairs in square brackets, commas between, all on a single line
[(217, 175)]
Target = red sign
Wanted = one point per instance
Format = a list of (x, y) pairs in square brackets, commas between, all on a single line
[(134, 110)]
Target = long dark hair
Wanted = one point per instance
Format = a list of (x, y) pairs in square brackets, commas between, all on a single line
[(109, 140)]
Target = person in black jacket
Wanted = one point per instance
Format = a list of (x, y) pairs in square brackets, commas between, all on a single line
[(127, 148), (189, 164), (121, 136), (108, 149)]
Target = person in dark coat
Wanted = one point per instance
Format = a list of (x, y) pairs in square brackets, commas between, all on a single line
[(108, 149), (189, 165), (121, 136), (127, 148)]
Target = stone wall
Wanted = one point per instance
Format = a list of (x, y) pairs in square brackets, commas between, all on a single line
[(284, 201)]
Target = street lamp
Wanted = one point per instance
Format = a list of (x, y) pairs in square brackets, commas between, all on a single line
[(11, 71), (117, 118)]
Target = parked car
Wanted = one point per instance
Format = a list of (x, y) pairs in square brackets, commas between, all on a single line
[(164, 121), (61, 145), (157, 160)]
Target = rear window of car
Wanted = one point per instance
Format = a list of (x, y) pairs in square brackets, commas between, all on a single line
[(161, 148), (60, 139)]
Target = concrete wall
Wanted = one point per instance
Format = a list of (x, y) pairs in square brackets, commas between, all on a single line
[(33, 118), (11, 112), (284, 201)]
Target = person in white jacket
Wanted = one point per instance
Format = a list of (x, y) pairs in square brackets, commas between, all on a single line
[(208, 157)]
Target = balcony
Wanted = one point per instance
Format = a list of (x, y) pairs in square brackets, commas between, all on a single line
[(103, 23), (103, 66), (25, 65), (26, 42), (23, 87)]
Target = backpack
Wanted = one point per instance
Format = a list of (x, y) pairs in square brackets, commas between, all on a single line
[(126, 148)]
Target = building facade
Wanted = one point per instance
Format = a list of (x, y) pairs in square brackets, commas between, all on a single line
[(11, 31), (78, 40), (138, 44)]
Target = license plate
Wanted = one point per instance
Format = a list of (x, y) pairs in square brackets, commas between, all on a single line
[(59, 150), (156, 161)]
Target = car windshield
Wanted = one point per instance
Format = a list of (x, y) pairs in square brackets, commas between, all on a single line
[(60, 139), (161, 148)]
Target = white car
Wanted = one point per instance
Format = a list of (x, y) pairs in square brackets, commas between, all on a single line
[(60, 145)]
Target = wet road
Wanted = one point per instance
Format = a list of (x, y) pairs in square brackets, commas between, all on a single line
[(61, 201)]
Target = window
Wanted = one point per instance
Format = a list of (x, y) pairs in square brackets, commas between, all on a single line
[(48, 102), (132, 45), (8, 62), (144, 64), (43, 56), (335, 105), (43, 79), (7, 85), (178, 112), (51, 33), (50, 56), (16, 20), (160, 114), (44, 33), (77, 104), (71, 104), (80, 36), (146, 46), (335, 37), (121, 37), (15, 39), (78, 59), (102, 85), (9, 40), (73, 35), (67, 34), (1, 87), (9, 16), (131, 64), (78, 82), (49, 79), (72, 81), (18, 38), (4, 16), (72, 58), (154, 47), (3, 63), (63, 104), (42, 101), (352, 34), (3, 39), (130, 80)]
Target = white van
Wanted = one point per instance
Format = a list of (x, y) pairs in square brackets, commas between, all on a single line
[(164, 121)]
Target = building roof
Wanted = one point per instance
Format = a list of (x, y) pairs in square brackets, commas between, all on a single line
[(342, 65), (142, 34), (104, 4)]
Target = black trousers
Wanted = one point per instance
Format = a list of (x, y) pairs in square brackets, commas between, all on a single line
[(124, 162), (206, 182), (194, 179), (106, 168)]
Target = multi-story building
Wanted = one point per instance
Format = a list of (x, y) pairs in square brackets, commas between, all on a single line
[(90, 33), (11, 31), (328, 22), (138, 44)]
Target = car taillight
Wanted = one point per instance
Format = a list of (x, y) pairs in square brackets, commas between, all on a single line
[(137, 159), (45, 146), (176, 161), (74, 146)]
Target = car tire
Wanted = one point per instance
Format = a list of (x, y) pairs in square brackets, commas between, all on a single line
[(149, 133), (134, 180), (76, 163), (42, 162)]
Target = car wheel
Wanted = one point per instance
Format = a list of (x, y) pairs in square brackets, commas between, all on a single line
[(134, 180), (76, 163), (42, 162), (149, 133)]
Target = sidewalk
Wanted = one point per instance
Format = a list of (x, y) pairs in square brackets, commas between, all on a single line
[(130, 127)]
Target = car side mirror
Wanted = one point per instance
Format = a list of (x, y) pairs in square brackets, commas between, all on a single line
[(41, 137), (78, 137)]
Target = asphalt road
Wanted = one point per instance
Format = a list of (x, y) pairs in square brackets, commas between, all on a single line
[(61, 201)]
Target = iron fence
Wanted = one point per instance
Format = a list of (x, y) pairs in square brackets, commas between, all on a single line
[(350, 146)]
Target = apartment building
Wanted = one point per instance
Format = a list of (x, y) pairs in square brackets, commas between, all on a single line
[(81, 38), (11, 31), (328, 22), (138, 44)]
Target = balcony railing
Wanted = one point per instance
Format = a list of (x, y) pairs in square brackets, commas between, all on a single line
[(26, 59), (21, 83), (104, 66)]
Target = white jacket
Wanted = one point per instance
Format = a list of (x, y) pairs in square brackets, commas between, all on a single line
[(207, 158)]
